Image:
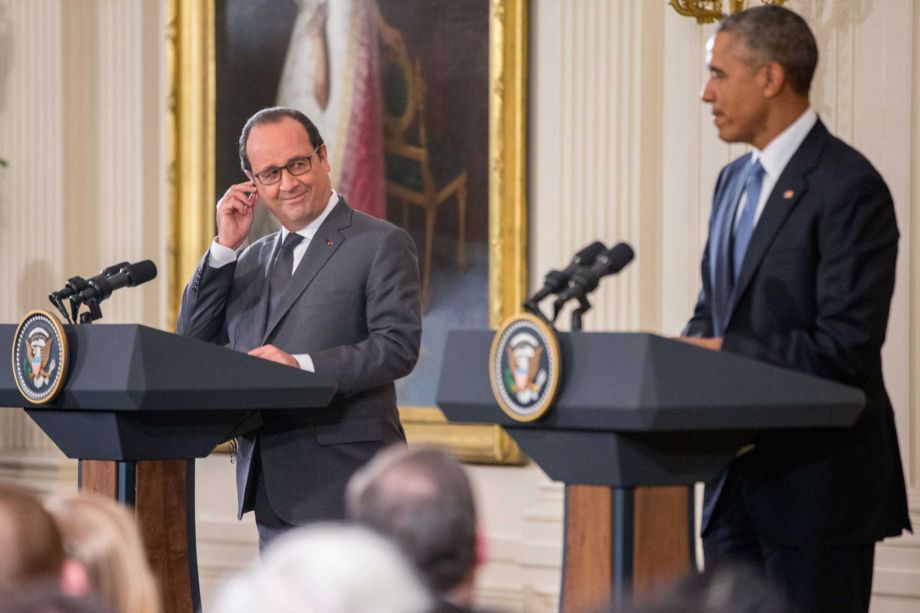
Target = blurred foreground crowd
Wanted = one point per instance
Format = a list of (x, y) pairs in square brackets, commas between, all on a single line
[(412, 545)]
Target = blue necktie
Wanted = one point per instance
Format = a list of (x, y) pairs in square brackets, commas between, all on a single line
[(745, 227)]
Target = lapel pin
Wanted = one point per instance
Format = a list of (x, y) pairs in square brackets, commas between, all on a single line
[(788, 194), (329, 242)]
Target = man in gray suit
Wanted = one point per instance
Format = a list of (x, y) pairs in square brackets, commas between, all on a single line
[(335, 292)]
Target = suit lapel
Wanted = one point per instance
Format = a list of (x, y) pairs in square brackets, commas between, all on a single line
[(325, 243), (261, 313), (250, 325), (789, 188)]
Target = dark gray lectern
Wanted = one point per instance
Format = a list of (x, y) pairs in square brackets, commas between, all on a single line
[(638, 410), (138, 406)]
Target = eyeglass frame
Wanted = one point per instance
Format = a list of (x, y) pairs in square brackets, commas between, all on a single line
[(256, 176)]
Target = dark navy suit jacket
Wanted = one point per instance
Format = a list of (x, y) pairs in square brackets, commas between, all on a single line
[(813, 295)]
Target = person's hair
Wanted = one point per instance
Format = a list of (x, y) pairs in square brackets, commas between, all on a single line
[(421, 498), (774, 33), (103, 537), (31, 544), (327, 568), (274, 115)]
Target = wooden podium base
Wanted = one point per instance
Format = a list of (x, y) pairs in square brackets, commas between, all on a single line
[(621, 543), (162, 493)]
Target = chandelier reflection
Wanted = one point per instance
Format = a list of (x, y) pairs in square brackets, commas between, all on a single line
[(710, 11)]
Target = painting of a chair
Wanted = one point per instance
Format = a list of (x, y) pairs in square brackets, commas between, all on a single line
[(418, 172)]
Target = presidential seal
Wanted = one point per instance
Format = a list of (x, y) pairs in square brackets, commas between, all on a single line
[(525, 367), (39, 357)]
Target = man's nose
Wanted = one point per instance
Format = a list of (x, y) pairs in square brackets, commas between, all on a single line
[(288, 181), (706, 93)]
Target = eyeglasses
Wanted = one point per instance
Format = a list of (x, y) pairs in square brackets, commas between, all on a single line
[(296, 167)]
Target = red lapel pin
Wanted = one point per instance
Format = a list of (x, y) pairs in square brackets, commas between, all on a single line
[(329, 242), (788, 194)]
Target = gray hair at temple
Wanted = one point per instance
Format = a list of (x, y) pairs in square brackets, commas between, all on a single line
[(327, 568), (421, 498), (774, 33)]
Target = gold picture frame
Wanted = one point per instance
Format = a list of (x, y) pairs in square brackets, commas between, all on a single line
[(190, 54)]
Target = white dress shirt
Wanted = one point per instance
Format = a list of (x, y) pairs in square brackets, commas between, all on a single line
[(776, 155)]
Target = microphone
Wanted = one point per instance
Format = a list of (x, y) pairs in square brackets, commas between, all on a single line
[(75, 285), (586, 279), (128, 275), (556, 281), (114, 269)]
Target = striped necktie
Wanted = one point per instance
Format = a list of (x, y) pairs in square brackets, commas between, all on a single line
[(745, 227)]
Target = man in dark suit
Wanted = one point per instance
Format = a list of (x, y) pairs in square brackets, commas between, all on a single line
[(798, 271), (335, 292)]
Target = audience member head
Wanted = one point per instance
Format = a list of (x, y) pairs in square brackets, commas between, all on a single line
[(327, 568), (103, 538), (421, 498), (30, 543)]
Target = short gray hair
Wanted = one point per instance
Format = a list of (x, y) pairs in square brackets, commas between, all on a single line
[(327, 568), (774, 33), (421, 498)]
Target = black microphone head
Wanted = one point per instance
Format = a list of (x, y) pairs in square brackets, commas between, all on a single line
[(587, 278), (585, 257), (615, 258), (141, 272)]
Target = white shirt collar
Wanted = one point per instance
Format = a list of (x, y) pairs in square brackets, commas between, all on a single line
[(309, 231), (780, 150)]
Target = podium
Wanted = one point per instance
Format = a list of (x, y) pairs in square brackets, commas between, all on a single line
[(139, 405), (637, 420)]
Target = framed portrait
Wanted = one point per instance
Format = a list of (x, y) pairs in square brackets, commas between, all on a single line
[(422, 105)]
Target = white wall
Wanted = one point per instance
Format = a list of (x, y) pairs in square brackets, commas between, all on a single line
[(621, 149), (81, 122)]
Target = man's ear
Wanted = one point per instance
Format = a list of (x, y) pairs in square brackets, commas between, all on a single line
[(75, 578), (774, 78)]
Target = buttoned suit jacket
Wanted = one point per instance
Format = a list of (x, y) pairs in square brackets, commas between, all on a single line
[(813, 295), (353, 306)]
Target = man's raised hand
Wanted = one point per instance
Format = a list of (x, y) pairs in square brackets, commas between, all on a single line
[(235, 213)]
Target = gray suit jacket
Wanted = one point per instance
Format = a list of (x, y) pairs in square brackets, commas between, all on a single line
[(353, 305)]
